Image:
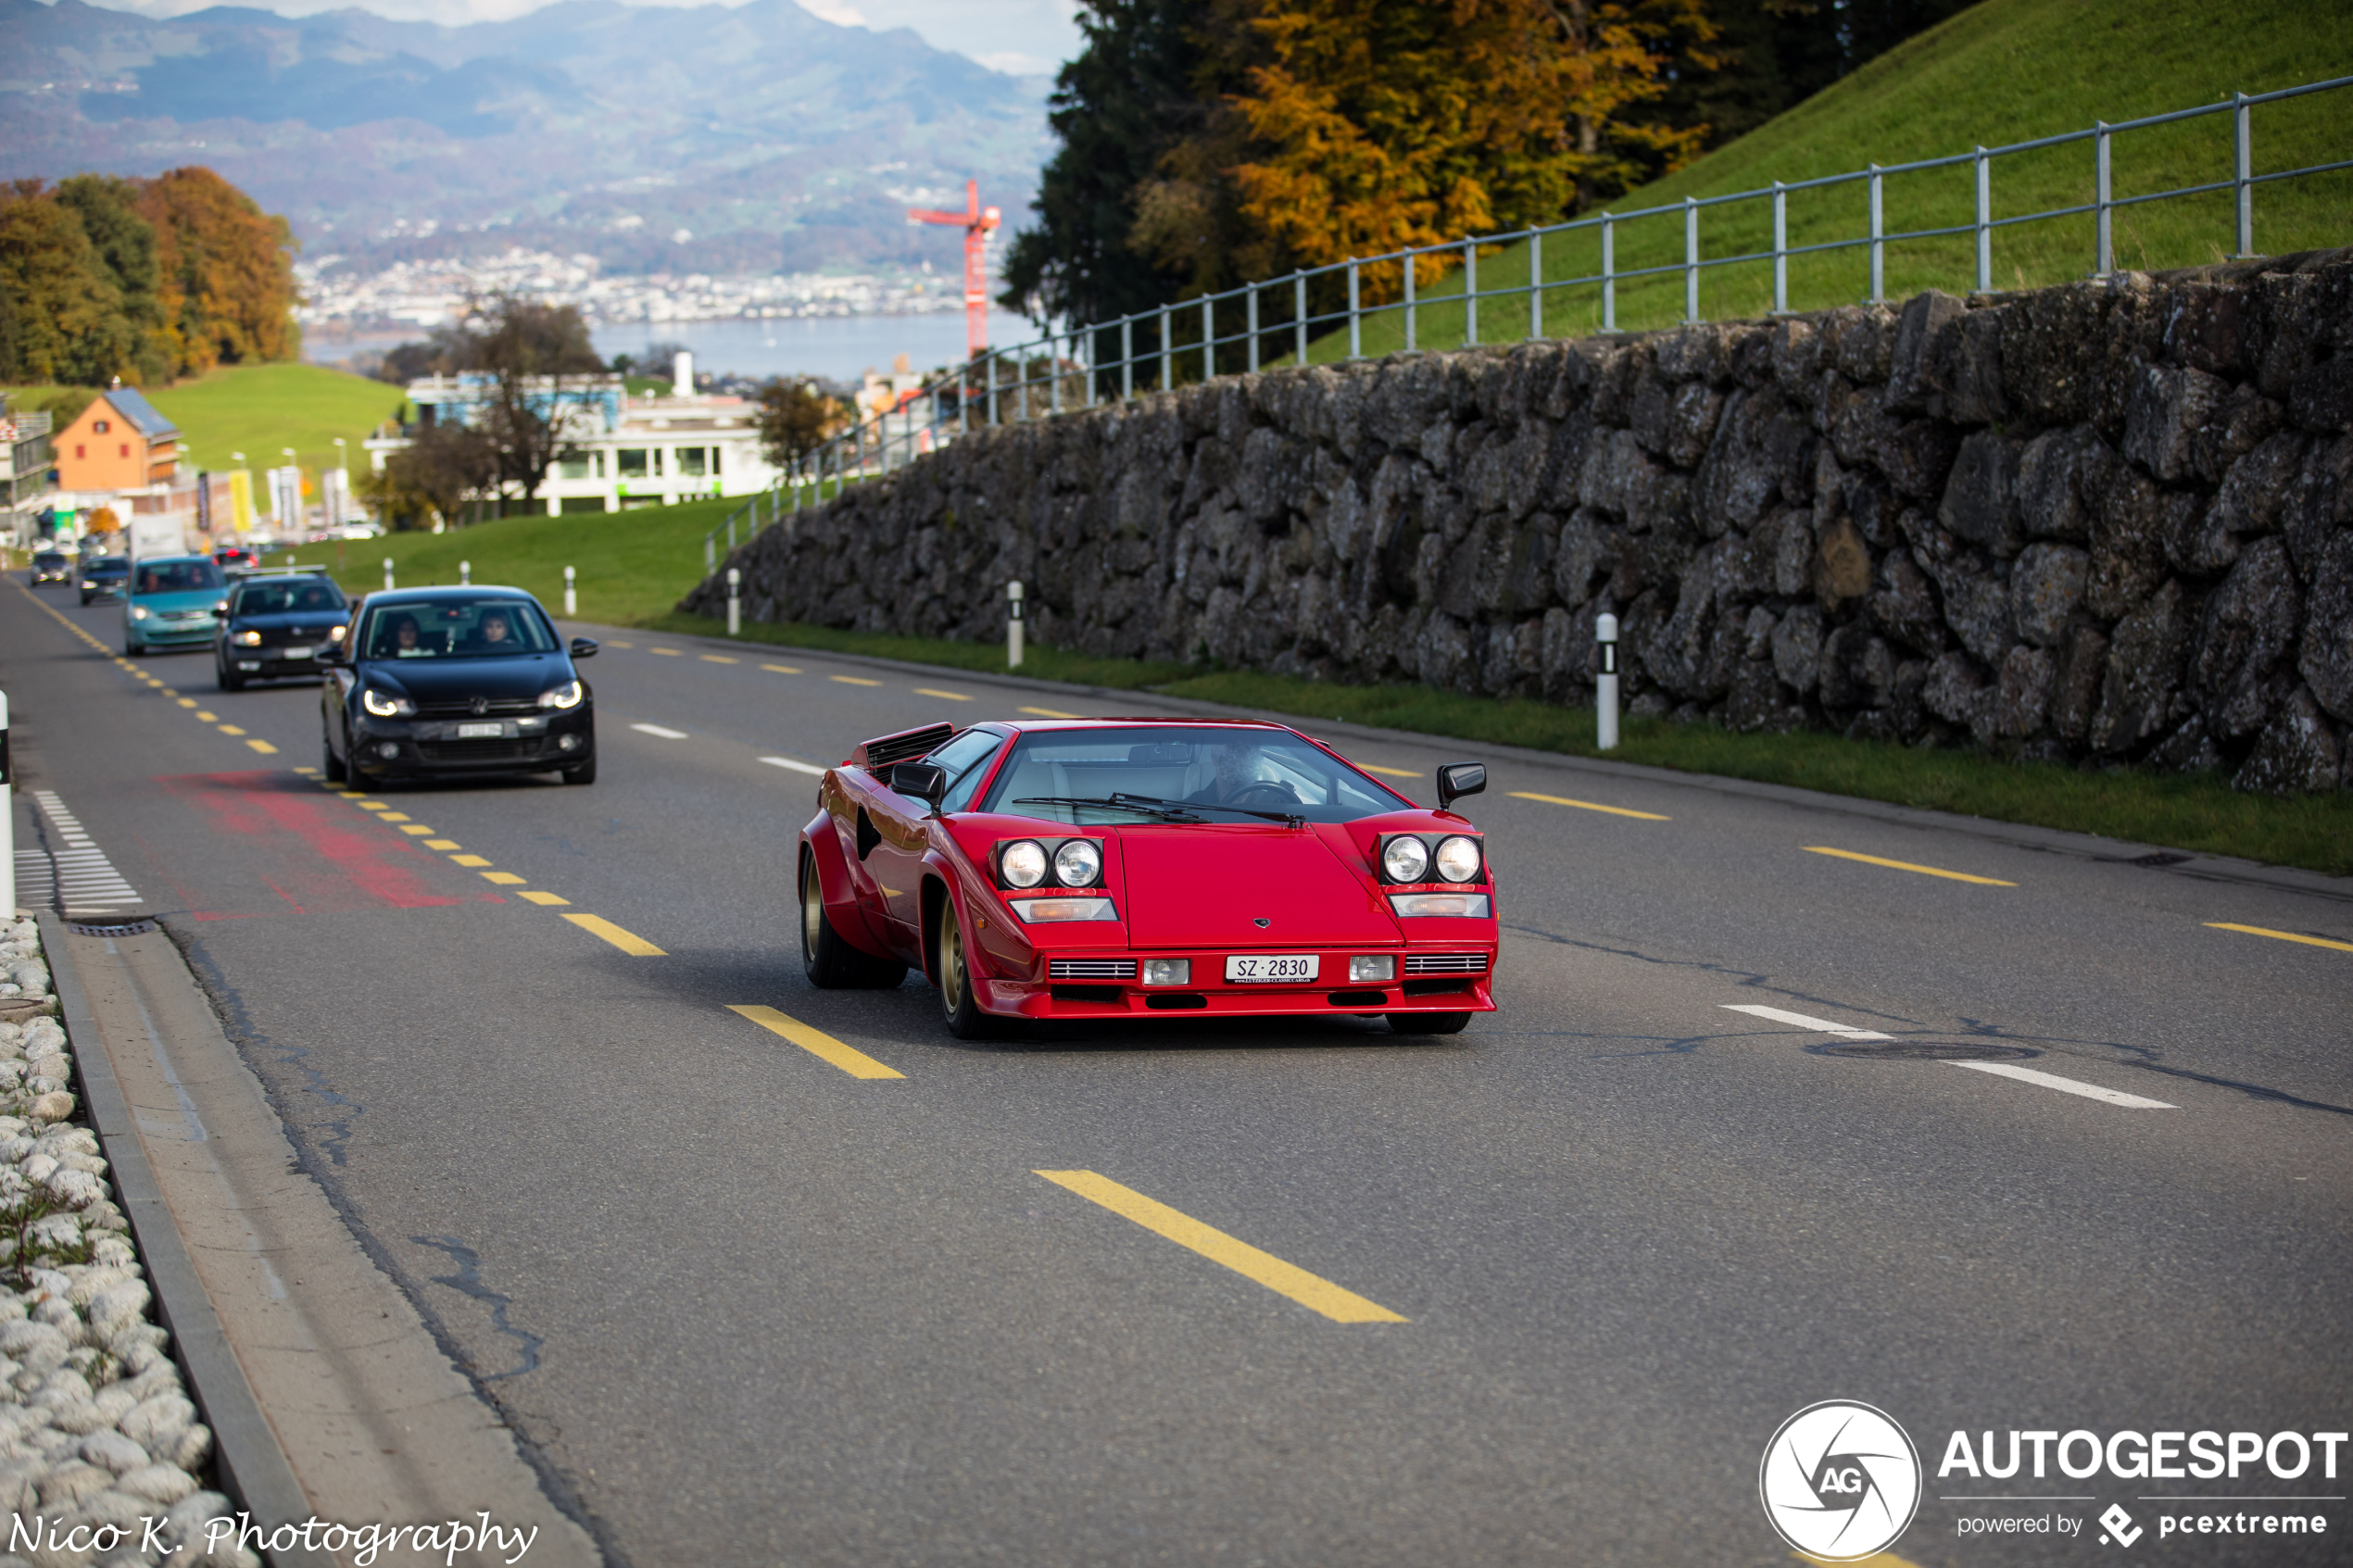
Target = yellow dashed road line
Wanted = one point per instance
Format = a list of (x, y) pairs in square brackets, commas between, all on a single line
[(782, 669), (538, 898), (1587, 805), (816, 1042), (719, 659), (853, 680), (2282, 935), (1392, 772), (944, 697), (637, 946), (1907, 866), (1052, 713)]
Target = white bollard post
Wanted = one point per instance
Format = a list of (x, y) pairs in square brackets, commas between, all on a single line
[(8, 819), (571, 597), (388, 574), (465, 574), (1012, 625), (1605, 685), (735, 602)]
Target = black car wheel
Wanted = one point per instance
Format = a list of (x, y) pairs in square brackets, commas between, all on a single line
[(1427, 1022), (330, 765), (831, 963), (228, 682), (965, 1019), (583, 774)]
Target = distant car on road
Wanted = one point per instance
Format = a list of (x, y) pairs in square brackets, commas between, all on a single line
[(236, 559), (104, 576), (51, 566), (456, 681), (1137, 868), (175, 603), (275, 626)]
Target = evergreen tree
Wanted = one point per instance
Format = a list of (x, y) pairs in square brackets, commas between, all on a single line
[(125, 244)]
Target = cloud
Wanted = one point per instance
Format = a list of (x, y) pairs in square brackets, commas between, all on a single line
[(1018, 37)]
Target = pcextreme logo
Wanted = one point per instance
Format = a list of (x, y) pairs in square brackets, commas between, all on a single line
[(1840, 1480)]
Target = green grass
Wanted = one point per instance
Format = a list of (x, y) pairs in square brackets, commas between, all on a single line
[(2198, 812), (257, 410), (2004, 70)]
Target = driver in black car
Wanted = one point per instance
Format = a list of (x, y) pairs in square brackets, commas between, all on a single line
[(494, 634)]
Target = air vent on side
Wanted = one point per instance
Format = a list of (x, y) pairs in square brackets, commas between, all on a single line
[(907, 745)]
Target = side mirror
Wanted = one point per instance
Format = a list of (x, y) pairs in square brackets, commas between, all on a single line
[(920, 781), (329, 653), (1458, 779), (582, 647)]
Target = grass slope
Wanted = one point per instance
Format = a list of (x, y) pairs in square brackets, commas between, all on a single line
[(257, 410), (2003, 71)]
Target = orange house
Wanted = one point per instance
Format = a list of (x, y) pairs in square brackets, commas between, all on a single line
[(119, 443)]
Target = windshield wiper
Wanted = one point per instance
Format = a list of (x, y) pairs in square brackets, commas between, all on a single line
[(1113, 802), (1288, 819)]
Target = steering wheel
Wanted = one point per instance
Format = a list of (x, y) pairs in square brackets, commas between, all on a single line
[(1272, 792)]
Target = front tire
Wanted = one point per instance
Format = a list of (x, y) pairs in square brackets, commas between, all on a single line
[(332, 766), (1427, 1022), (965, 1019), (583, 774), (831, 963), (228, 682)]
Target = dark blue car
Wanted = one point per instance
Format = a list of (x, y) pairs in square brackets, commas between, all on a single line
[(275, 626), (440, 681)]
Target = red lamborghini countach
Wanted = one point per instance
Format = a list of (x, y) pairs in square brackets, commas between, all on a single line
[(1119, 868)]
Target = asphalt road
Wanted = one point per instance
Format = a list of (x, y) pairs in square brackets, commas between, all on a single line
[(747, 1308)]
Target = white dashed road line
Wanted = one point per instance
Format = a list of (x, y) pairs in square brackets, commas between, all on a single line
[(2066, 1086), (1819, 1025), (81, 880), (796, 766), (658, 730)]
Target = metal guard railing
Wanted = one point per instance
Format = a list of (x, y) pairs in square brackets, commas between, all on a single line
[(1064, 371)]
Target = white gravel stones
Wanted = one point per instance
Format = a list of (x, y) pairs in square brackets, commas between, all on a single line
[(95, 1426)]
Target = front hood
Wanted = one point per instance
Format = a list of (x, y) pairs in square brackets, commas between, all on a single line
[(1208, 887), (439, 680), (158, 604)]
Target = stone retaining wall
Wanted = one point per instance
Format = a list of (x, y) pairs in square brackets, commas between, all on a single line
[(2101, 522)]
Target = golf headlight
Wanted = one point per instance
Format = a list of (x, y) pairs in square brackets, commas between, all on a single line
[(1168, 972), (337, 633), (1079, 864), (1425, 906), (566, 696), (138, 612), (1405, 859), (1022, 864), (1375, 966), (1458, 858), (1046, 911), (246, 639), (384, 705)]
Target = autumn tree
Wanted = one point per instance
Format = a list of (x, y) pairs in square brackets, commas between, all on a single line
[(432, 476), (227, 271), (796, 418), (532, 365), (124, 246), (64, 316)]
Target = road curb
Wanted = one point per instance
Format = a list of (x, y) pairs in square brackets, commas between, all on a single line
[(254, 1468), (2057, 841)]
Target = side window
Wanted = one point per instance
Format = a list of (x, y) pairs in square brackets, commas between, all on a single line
[(966, 759)]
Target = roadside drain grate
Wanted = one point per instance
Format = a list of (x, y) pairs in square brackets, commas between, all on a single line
[(2163, 857), (1927, 1050), (110, 928)]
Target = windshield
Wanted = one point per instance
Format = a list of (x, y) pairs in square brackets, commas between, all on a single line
[(299, 597), (107, 566), (178, 577), (1177, 773), (456, 629)]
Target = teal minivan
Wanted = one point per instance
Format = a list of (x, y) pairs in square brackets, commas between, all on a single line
[(174, 602)]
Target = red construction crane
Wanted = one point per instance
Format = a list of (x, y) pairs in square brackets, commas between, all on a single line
[(976, 220)]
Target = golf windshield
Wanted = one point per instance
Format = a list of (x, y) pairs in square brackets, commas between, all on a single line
[(312, 597), (456, 629), (1180, 773)]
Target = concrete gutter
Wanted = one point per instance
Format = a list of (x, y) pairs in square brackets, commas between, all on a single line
[(2057, 841), (253, 1467)]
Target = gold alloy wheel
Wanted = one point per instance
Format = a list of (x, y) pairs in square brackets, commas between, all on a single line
[(813, 909), (952, 963)]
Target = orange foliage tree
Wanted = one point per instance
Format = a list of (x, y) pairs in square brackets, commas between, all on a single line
[(228, 293), (1373, 125)]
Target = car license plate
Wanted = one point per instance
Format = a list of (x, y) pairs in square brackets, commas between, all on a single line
[(297, 653), (1260, 968), (471, 731)]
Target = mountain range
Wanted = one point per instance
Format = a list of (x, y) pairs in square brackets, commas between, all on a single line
[(710, 139)]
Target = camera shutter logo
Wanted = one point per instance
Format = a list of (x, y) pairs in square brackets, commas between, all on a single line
[(1840, 1480)]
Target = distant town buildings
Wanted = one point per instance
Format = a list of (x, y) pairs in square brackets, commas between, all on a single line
[(425, 294)]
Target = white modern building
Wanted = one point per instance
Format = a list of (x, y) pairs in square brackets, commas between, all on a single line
[(628, 452)]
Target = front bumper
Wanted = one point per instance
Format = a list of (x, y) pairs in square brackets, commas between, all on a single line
[(270, 664), (156, 634), (425, 747), (1105, 983)]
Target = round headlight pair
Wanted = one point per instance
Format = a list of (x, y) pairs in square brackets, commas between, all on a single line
[(1407, 859), (1076, 865)]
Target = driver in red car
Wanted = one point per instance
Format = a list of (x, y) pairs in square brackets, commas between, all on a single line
[(1237, 776)]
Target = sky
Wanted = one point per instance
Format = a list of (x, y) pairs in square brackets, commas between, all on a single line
[(1021, 37)]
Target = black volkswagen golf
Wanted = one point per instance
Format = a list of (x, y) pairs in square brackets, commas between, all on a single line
[(456, 681)]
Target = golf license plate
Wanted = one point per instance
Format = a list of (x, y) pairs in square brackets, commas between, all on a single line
[(1292, 968), (475, 731)]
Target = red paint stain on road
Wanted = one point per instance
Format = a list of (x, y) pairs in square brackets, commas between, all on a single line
[(313, 852)]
